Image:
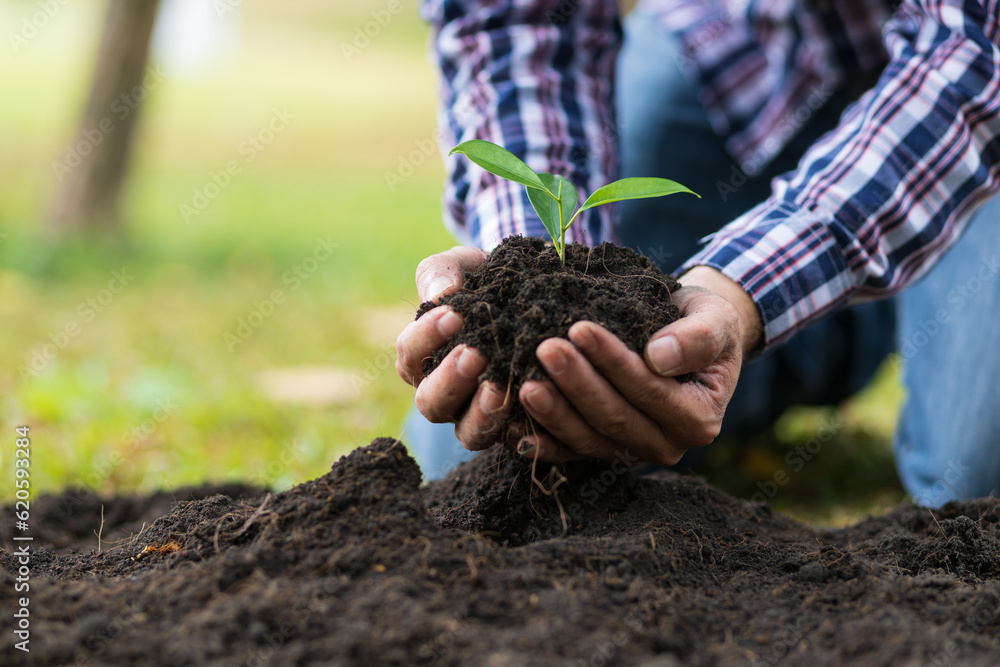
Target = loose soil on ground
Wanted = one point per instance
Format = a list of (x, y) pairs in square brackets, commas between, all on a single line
[(501, 564)]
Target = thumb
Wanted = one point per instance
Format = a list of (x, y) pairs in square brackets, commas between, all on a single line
[(707, 329), (442, 273)]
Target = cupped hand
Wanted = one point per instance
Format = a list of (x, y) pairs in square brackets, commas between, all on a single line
[(453, 391), (605, 401)]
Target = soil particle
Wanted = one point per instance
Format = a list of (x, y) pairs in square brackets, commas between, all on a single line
[(506, 563)]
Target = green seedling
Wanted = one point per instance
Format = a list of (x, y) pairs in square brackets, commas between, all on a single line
[(553, 197)]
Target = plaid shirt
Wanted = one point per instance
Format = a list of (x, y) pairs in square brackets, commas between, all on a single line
[(869, 208)]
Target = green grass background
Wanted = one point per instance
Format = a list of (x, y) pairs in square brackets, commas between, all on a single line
[(162, 338)]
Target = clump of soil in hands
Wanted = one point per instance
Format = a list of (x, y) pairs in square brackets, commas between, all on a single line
[(522, 295)]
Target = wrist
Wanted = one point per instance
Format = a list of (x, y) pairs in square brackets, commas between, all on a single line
[(751, 324)]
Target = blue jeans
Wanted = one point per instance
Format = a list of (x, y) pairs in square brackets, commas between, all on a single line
[(664, 132), (948, 439)]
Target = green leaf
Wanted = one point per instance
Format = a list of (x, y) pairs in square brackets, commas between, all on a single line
[(499, 161), (547, 208), (633, 188)]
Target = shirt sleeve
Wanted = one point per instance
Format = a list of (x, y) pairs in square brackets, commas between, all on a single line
[(534, 76), (876, 202)]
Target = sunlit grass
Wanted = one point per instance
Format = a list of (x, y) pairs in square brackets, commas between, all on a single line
[(149, 391)]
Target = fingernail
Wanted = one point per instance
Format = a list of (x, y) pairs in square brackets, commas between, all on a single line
[(526, 447), (436, 286), (491, 401), (470, 364), (665, 354), (449, 324), (554, 360), (540, 399), (583, 338)]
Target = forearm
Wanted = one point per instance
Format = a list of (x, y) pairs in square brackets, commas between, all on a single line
[(876, 202), (536, 80)]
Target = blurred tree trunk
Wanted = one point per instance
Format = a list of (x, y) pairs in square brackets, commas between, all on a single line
[(93, 168)]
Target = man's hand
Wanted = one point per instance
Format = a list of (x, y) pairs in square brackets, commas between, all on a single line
[(441, 396), (604, 399)]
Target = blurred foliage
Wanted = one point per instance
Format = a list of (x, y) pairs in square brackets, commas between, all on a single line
[(147, 392), (93, 408), (824, 465)]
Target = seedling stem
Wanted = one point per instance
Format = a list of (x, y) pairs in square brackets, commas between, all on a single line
[(560, 191)]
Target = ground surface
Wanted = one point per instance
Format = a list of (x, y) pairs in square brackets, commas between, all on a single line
[(490, 567)]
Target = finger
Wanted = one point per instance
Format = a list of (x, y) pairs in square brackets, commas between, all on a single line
[(443, 394), (708, 327), (545, 448), (602, 405), (442, 273), (623, 369), (686, 414), (420, 338), (480, 426), (552, 410)]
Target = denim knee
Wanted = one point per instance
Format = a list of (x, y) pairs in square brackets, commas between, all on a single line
[(948, 441)]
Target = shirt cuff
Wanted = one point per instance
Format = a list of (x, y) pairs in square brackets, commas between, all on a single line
[(787, 259)]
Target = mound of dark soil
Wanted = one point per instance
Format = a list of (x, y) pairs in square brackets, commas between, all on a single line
[(75, 518), (522, 295), (504, 564)]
